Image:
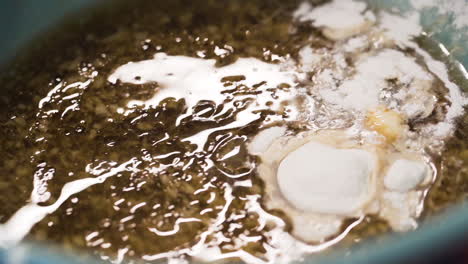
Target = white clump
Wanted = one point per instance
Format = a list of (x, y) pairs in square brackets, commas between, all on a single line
[(339, 19), (264, 139), (323, 179), (405, 175), (318, 179)]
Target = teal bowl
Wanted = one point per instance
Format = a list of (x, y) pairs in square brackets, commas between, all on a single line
[(445, 21)]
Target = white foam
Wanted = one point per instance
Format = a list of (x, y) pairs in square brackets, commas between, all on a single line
[(457, 99), (308, 58), (339, 18), (362, 91), (400, 29)]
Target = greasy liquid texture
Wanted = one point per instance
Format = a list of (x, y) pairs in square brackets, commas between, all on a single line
[(167, 195)]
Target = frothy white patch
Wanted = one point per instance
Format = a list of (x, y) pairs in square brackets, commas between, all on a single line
[(400, 29), (339, 19), (308, 58), (363, 90), (457, 99)]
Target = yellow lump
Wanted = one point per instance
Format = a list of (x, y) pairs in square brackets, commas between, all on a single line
[(386, 122)]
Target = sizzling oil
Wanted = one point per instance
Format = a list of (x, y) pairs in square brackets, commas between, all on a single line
[(148, 208)]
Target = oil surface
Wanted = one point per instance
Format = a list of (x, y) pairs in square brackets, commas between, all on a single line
[(148, 207)]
